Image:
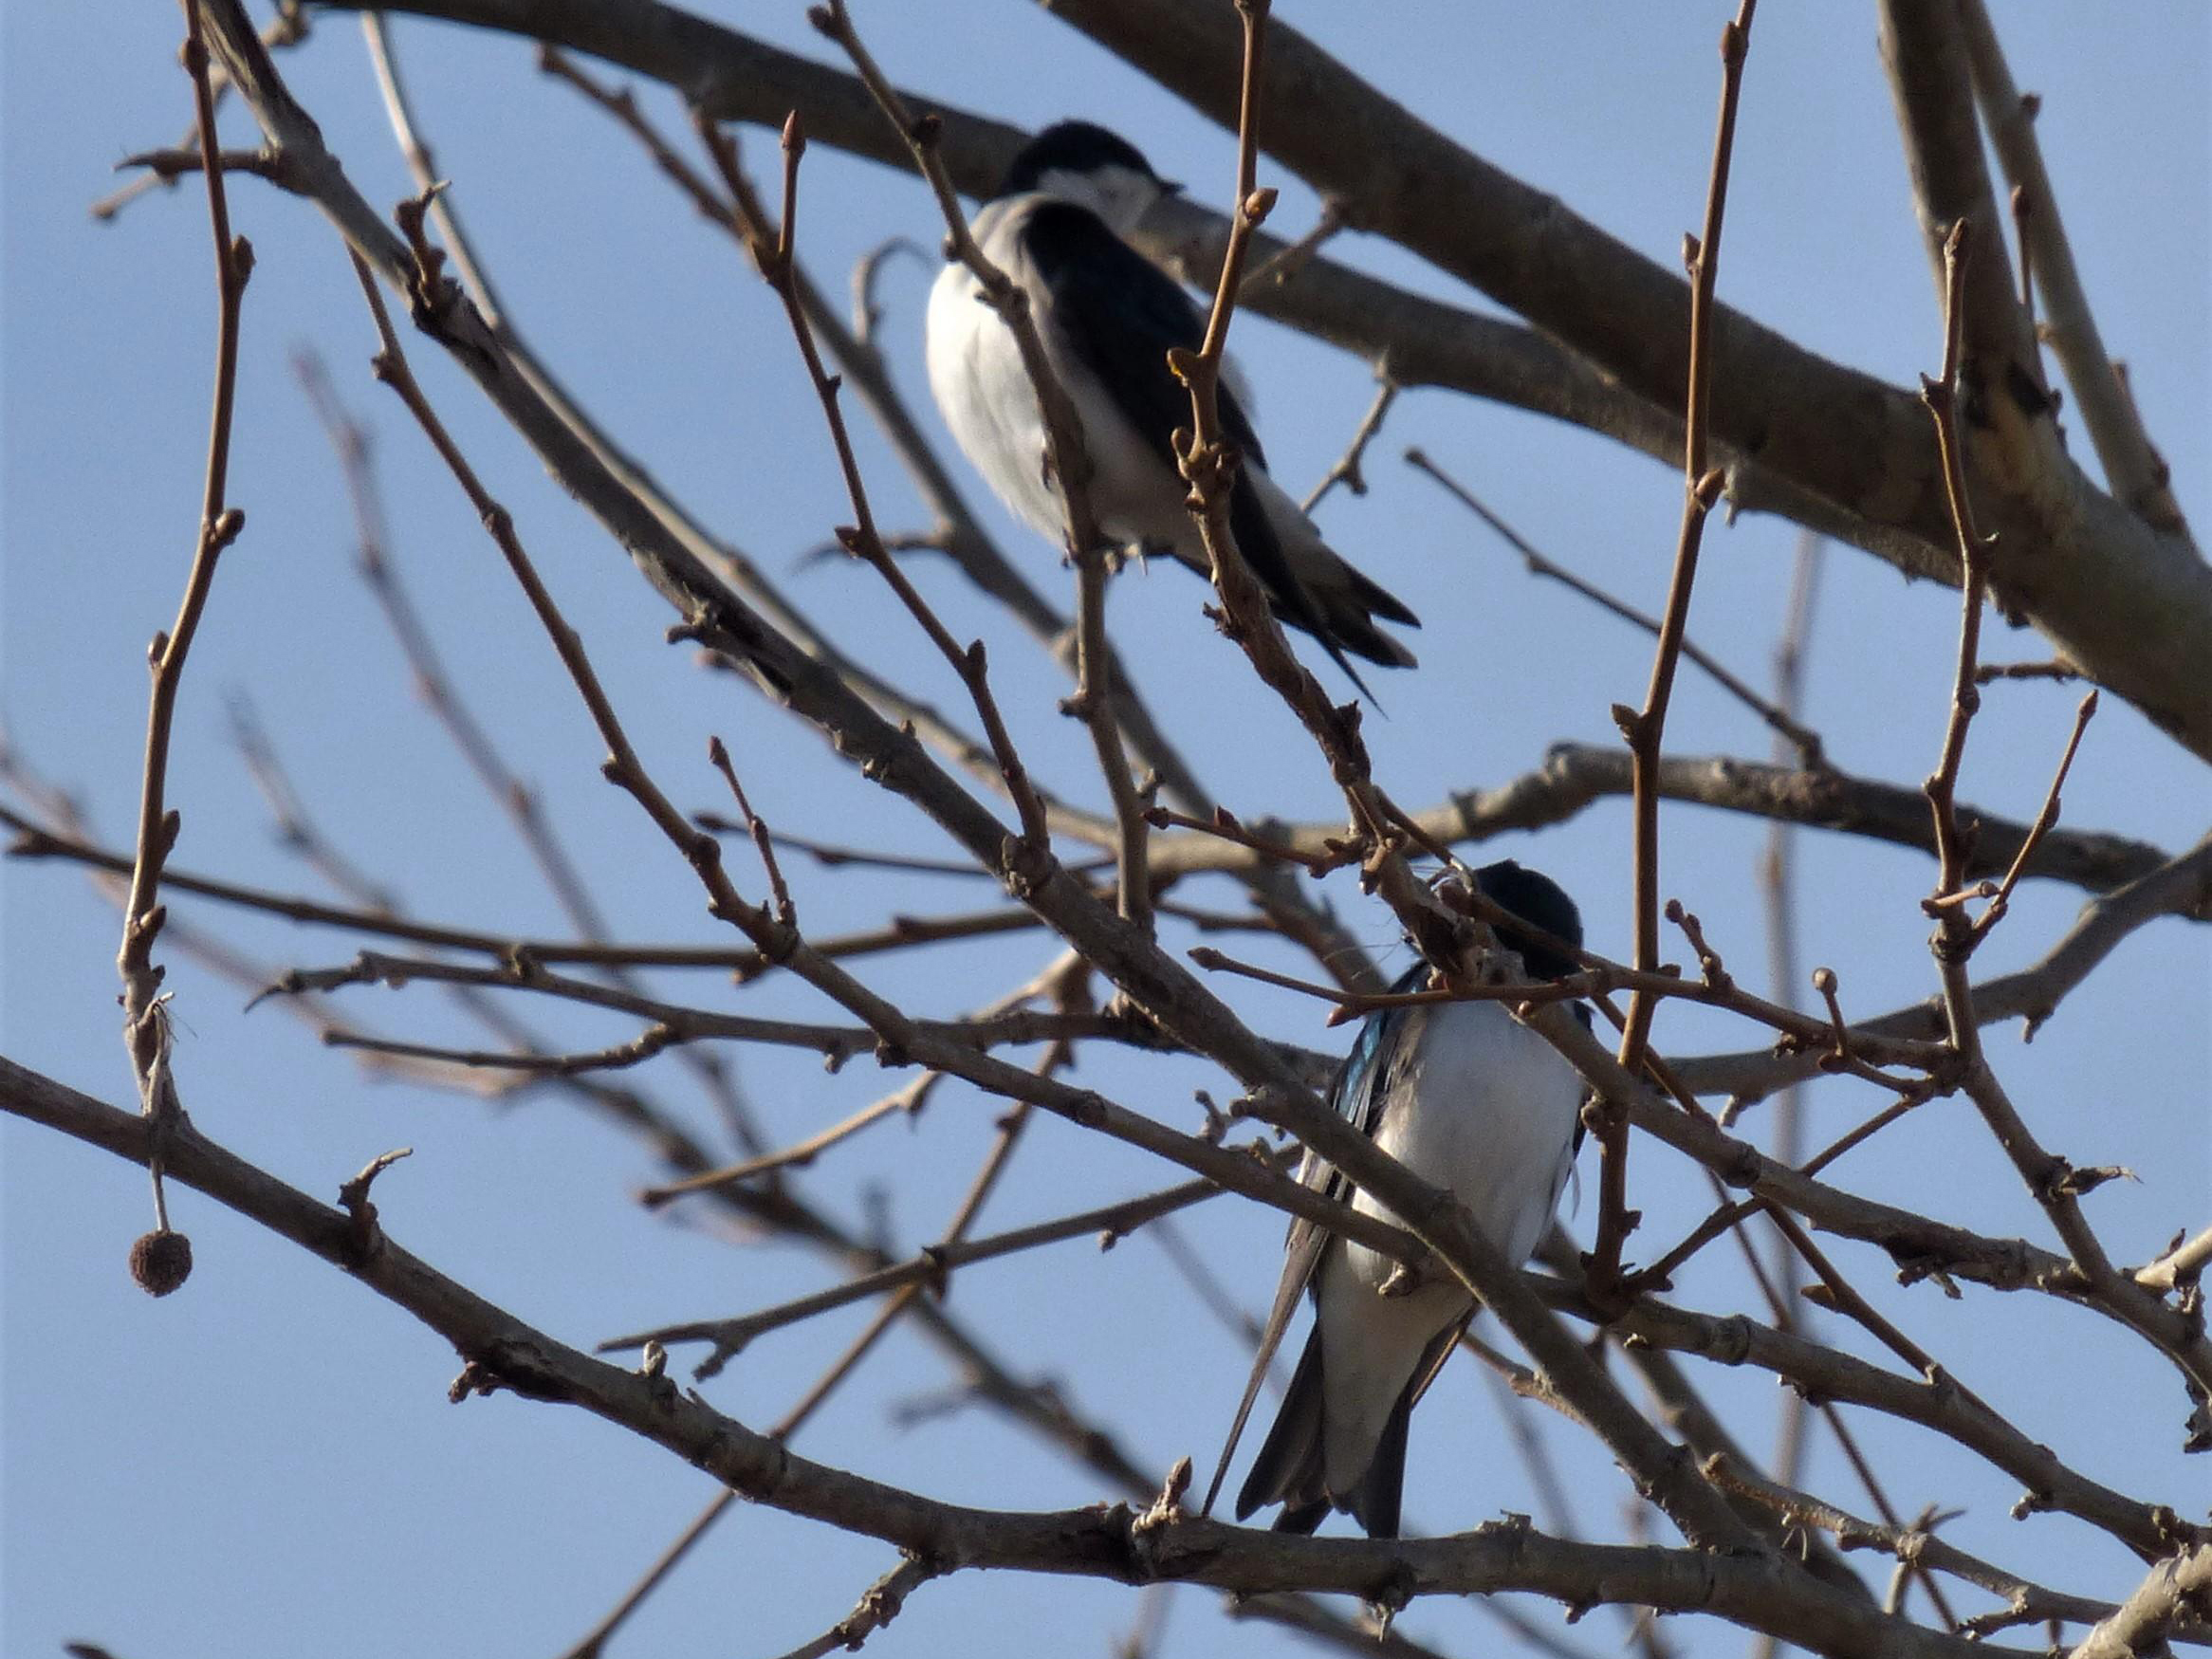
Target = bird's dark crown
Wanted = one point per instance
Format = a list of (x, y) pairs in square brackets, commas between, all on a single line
[(1541, 902), (1071, 147)]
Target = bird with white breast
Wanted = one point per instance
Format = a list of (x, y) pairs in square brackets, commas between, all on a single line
[(1468, 1100), (1108, 317)]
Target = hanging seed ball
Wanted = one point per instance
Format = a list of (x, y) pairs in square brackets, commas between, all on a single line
[(160, 1261)]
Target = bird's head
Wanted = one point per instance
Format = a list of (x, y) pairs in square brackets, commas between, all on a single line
[(1543, 903), (1078, 162)]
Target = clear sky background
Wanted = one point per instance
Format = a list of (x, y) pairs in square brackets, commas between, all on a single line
[(267, 1464)]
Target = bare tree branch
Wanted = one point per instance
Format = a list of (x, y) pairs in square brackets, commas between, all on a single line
[(1840, 450), (2138, 477), (499, 1351), (2177, 1588), (1115, 951)]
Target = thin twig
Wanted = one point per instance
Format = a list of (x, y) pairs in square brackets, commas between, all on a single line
[(1953, 941), (832, 857), (1225, 825), (786, 912), (867, 311), (1096, 693), (1005, 1027), (1805, 742), (1777, 885), (909, 1098), (423, 168), (1117, 1221), (2029, 1601), (1293, 257), (772, 251), (295, 830), (594, 1641), (2056, 668), (1350, 468), (1212, 1294), (517, 798), (1644, 728), (2046, 817), (145, 1017), (878, 1605), (654, 1040)]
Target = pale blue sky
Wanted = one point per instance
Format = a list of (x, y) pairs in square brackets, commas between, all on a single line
[(267, 1464)]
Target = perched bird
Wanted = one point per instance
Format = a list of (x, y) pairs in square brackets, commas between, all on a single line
[(1470, 1100), (1108, 317)]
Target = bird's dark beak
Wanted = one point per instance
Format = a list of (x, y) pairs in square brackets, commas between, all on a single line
[(1171, 186)]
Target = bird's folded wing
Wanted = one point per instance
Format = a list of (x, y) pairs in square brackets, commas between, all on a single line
[(1120, 315), (1357, 1094)]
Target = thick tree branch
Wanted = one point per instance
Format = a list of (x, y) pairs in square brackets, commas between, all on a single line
[(501, 1352), (2081, 559), (1575, 775), (2138, 476), (1835, 449), (2177, 1589)]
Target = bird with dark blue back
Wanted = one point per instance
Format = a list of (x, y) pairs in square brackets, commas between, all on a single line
[(1471, 1101), (1108, 317)]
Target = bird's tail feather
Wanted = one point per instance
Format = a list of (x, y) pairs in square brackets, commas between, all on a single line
[(1308, 585), (1348, 613), (1378, 600), (1288, 1468), (1374, 1500), (1291, 1468)]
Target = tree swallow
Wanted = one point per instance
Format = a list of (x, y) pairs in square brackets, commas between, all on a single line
[(1108, 318), (1467, 1099)]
